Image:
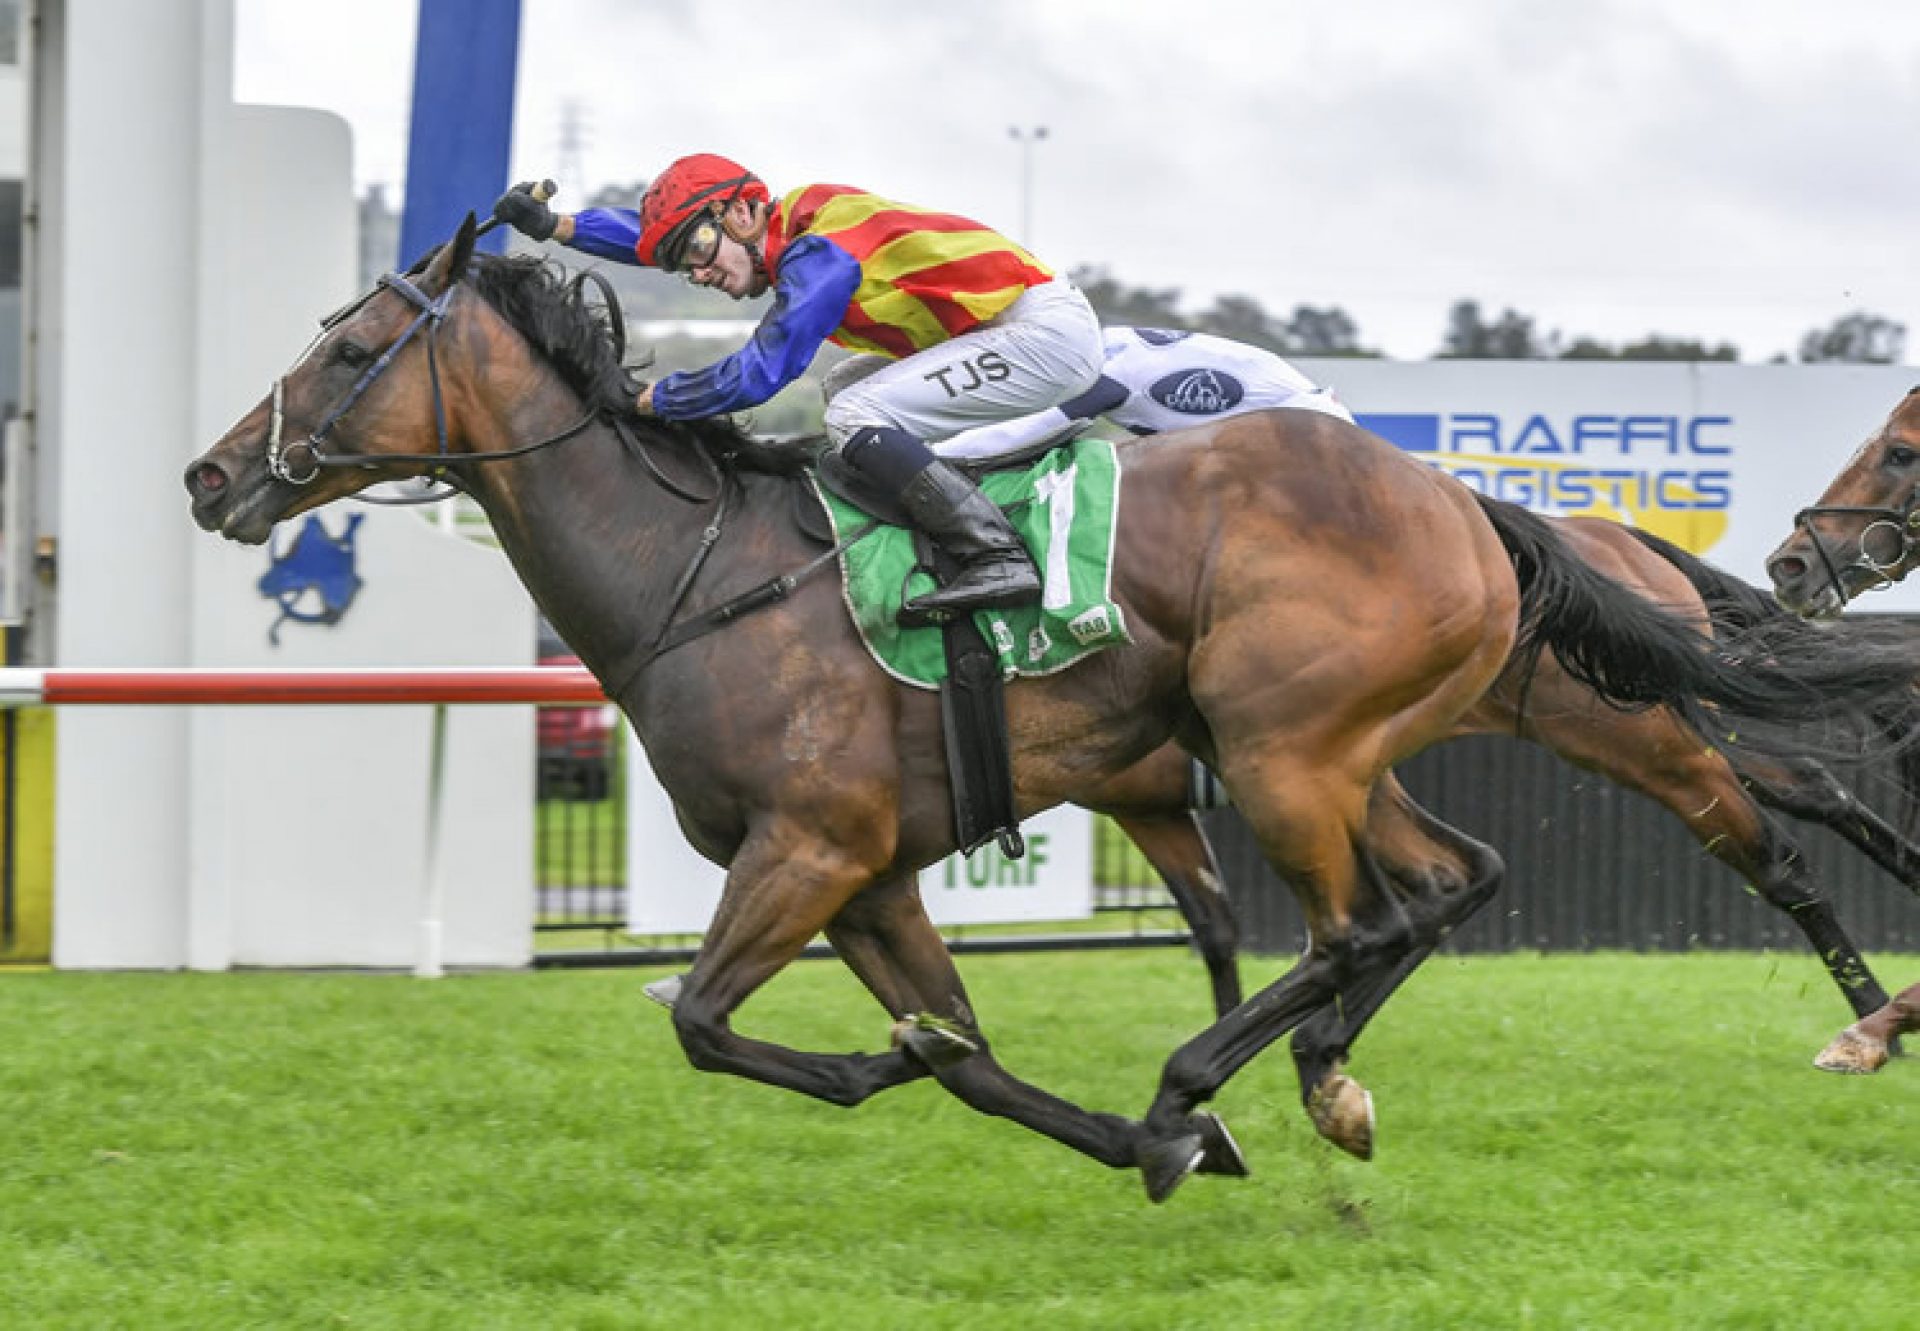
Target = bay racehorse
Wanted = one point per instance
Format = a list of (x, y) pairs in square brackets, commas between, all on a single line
[(1862, 533), (1308, 607)]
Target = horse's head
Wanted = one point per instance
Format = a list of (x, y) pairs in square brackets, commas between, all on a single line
[(1865, 530), (369, 388)]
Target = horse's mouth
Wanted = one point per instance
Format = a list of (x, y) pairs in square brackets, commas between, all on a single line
[(246, 519), (1823, 604)]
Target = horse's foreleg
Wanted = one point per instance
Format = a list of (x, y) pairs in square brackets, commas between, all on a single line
[(1806, 790), (1178, 851), (1652, 753), (1703, 788), (905, 963), (780, 892), (1866, 1045), (1777, 868), (1444, 877)]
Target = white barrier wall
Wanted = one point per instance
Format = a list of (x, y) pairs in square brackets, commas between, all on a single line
[(672, 890), (191, 245)]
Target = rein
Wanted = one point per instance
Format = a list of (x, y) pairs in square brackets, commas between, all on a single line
[(770, 592)]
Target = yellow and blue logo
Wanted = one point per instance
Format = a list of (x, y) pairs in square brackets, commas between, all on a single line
[(1667, 474)]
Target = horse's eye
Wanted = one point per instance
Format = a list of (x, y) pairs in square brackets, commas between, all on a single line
[(352, 355), (1899, 455)]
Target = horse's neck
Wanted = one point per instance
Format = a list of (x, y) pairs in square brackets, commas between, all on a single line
[(596, 540)]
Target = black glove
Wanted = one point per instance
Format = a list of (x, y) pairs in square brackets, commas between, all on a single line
[(524, 213)]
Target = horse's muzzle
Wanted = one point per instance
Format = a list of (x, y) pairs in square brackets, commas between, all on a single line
[(221, 505)]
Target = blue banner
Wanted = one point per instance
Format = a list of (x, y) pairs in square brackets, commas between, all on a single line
[(462, 127)]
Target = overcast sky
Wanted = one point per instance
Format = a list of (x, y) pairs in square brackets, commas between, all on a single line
[(1737, 170)]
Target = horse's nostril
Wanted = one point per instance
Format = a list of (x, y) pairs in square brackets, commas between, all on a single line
[(206, 479)]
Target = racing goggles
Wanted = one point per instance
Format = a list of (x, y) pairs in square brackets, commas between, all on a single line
[(695, 245)]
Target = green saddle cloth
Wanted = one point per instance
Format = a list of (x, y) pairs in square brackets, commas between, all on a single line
[(1063, 507)]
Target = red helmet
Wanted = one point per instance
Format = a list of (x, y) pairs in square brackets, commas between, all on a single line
[(680, 195)]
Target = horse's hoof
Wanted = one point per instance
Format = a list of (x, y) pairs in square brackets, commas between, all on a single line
[(1852, 1052), (1221, 1154), (1342, 1112), (934, 1041), (665, 992), (1165, 1165)]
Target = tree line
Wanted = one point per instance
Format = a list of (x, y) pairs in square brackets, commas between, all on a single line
[(1470, 332)]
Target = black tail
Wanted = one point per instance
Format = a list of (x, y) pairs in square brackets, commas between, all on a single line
[(1781, 672), (1733, 603), (1736, 606)]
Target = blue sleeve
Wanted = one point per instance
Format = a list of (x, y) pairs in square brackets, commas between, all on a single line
[(817, 282), (607, 233)]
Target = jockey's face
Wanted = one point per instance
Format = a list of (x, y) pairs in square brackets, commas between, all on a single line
[(732, 269)]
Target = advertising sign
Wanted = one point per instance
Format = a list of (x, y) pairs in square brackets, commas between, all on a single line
[(1714, 457), (671, 889)]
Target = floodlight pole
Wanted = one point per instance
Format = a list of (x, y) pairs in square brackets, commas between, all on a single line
[(1026, 137)]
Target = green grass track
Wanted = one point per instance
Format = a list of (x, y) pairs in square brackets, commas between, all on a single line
[(1583, 1142)]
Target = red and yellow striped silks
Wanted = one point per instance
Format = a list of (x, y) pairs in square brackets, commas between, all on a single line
[(924, 276)]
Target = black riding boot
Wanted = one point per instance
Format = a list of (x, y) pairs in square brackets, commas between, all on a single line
[(995, 569)]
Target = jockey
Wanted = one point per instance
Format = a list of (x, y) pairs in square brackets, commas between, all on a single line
[(1155, 379), (973, 329)]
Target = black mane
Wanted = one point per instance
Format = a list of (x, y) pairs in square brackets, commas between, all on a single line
[(541, 301)]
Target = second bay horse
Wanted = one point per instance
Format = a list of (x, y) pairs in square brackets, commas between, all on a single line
[(1862, 533)]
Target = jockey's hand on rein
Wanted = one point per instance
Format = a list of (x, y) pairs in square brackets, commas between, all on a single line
[(524, 213)]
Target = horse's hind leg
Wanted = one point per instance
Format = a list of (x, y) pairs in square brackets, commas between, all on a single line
[(1307, 822), (886, 935), (1444, 876), (1178, 850)]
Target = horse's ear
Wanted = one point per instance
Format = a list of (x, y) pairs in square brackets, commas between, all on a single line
[(451, 262)]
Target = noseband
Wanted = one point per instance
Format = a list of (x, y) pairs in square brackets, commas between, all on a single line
[(1899, 526)]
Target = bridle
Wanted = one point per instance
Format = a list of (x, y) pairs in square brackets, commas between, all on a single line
[(1899, 527), (302, 461)]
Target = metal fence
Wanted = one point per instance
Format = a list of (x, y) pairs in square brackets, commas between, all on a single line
[(580, 842), (580, 853), (1589, 865)]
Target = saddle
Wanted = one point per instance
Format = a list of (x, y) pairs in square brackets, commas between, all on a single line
[(973, 712)]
